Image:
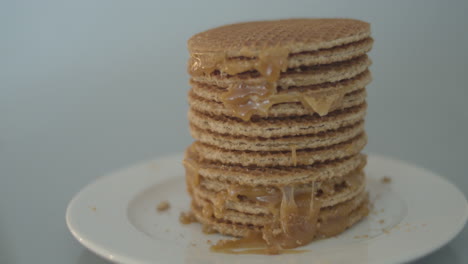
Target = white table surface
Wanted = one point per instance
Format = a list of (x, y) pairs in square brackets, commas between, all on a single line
[(92, 86)]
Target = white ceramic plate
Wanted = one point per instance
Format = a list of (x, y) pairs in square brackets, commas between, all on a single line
[(116, 217)]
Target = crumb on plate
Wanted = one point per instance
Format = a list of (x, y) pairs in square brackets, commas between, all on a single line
[(187, 218), (163, 206), (386, 179)]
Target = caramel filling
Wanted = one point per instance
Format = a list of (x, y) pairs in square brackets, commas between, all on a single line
[(294, 223), (219, 204), (295, 212), (270, 63), (246, 100), (207, 211), (272, 196), (298, 220), (252, 244), (264, 195), (298, 225), (321, 103), (294, 155), (206, 63), (191, 170)]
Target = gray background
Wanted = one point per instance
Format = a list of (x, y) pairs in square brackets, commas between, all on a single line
[(87, 87)]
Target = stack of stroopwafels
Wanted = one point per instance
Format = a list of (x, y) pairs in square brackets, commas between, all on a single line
[(277, 110)]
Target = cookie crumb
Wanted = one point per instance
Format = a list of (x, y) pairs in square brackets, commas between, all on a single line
[(93, 209), (193, 244), (208, 229), (386, 179), (208, 241), (357, 237), (187, 218), (381, 221), (163, 206), (386, 231)]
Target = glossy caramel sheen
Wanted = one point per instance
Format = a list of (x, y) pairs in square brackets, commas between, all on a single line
[(294, 155), (296, 225), (294, 222), (294, 211), (246, 100)]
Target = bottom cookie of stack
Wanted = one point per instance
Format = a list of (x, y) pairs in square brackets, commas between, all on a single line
[(276, 208)]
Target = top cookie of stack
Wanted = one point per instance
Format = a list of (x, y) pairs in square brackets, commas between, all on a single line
[(277, 105)]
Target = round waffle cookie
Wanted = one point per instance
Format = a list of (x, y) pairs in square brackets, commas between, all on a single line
[(298, 35), (277, 111)]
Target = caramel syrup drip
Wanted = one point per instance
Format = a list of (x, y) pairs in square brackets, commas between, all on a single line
[(269, 63), (272, 196), (219, 204), (246, 100), (297, 219), (294, 224), (322, 103), (265, 195), (206, 63), (251, 244), (294, 155), (253, 240), (207, 210), (191, 170)]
